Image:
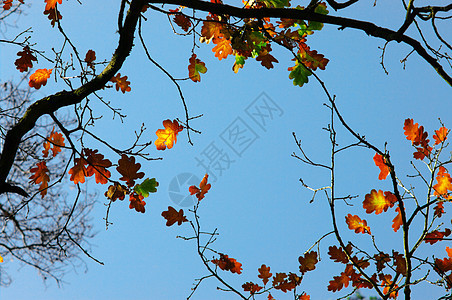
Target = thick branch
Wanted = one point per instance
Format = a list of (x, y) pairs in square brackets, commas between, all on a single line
[(288, 13), (50, 104)]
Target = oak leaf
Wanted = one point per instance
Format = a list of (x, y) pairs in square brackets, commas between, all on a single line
[(251, 287), (195, 67), (436, 236), (338, 282), (311, 59), (399, 262), (116, 191), (78, 171), (211, 29), (121, 83), (56, 141), (90, 57), (203, 189), (222, 48), (25, 59), (41, 176), (53, 15), (136, 201), (146, 187), (168, 137), (97, 166), (182, 21), (304, 296), (172, 216), (129, 170), (440, 135), (355, 223), (381, 259), (264, 273), (228, 264), (299, 73), (439, 209), (7, 4), (307, 263), (397, 221), (338, 255), (50, 4), (444, 183), (378, 202), (384, 169), (39, 78), (265, 57)]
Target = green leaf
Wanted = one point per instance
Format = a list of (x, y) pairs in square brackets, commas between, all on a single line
[(146, 187), (299, 73)]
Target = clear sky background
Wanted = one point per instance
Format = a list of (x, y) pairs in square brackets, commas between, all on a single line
[(261, 210)]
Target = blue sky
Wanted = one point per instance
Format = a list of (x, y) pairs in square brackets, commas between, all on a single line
[(262, 212)]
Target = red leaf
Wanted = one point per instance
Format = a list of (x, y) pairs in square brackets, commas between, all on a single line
[(53, 15), (380, 162), (195, 67), (264, 273), (202, 190), (172, 216), (377, 202), (97, 166), (41, 175), (397, 221), (50, 4), (90, 57), (56, 141), (129, 170), (228, 264), (355, 223), (78, 171), (251, 287), (182, 21), (436, 236), (25, 59), (136, 201), (338, 255), (440, 135), (116, 191)]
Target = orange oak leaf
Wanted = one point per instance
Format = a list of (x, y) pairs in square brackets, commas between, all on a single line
[(121, 83), (444, 184), (50, 4), (443, 265), (251, 287), (97, 166), (307, 263), (53, 15), (39, 78), (441, 135), (338, 282), (202, 190), (338, 255), (378, 202), (228, 264), (304, 296), (90, 57), (386, 282), (436, 236), (25, 59), (418, 137), (78, 171), (211, 29), (280, 282), (168, 137), (195, 67), (223, 47), (172, 216), (355, 223), (116, 191), (136, 201), (264, 273), (41, 176), (56, 141), (129, 170), (397, 221), (311, 59), (380, 162)]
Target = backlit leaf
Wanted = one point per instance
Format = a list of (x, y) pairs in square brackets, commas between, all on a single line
[(97, 166), (50, 4), (308, 261), (116, 191), (397, 221), (378, 202), (264, 273), (39, 78), (146, 187), (355, 223), (121, 83), (380, 162), (195, 67), (137, 203), (436, 236), (440, 135), (168, 137), (54, 142), (299, 73), (53, 15), (90, 57), (78, 171), (251, 287), (222, 48), (443, 187)]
